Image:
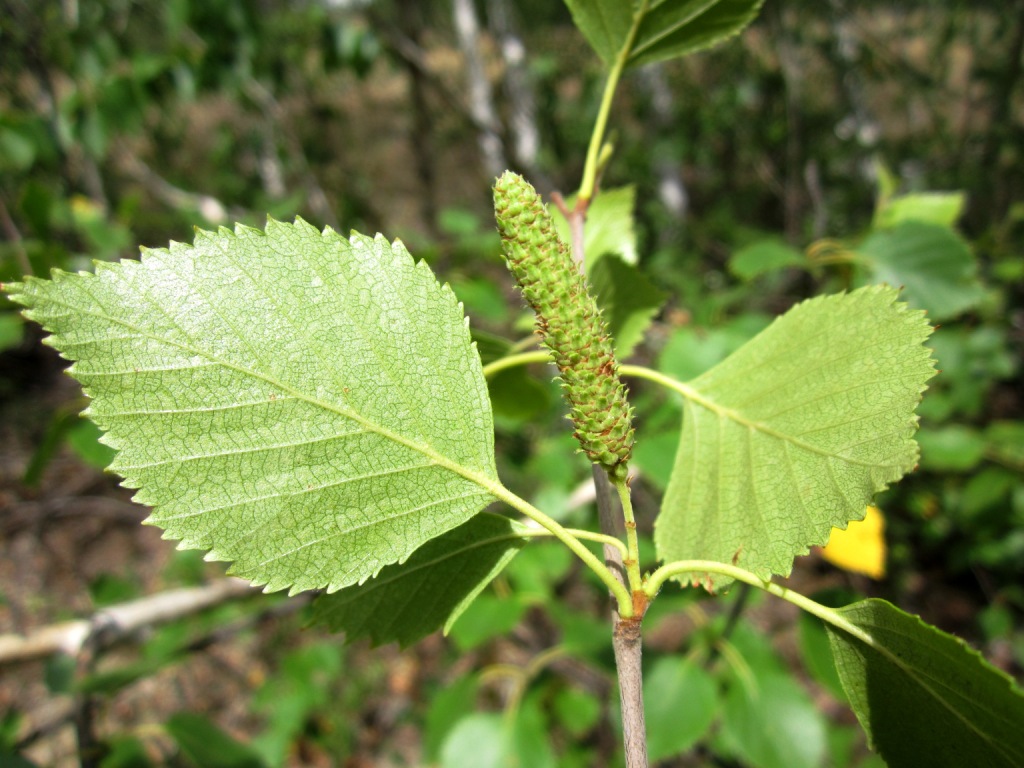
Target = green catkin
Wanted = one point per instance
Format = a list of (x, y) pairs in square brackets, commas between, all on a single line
[(569, 323)]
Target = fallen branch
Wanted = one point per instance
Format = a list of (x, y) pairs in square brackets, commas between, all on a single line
[(119, 622)]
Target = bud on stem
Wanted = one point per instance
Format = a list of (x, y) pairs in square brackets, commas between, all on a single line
[(569, 323)]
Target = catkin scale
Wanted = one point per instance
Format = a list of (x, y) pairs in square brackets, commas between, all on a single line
[(568, 321)]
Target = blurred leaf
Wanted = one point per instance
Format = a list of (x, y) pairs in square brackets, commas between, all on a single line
[(487, 740), (516, 396), (670, 28), (60, 673), (84, 439), (254, 380), (861, 547), (429, 591), (12, 329), (449, 705), (111, 589), (772, 723), (489, 616), (126, 753), (691, 351), (654, 456), (939, 208), (923, 696), (991, 487), (56, 431), (577, 711), (1006, 442), (208, 746), (610, 227), (17, 150), (795, 432), (680, 704), (538, 568), (10, 760), (482, 299), (300, 690), (764, 256), (952, 448), (932, 263), (478, 740), (628, 301)]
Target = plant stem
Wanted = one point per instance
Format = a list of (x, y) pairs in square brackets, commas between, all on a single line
[(632, 561), (600, 538), (512, 361), (590, 170), (627, 643)]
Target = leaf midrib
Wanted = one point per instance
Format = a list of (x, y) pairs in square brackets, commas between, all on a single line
[(492, 486), (727, 413), (865, 635)]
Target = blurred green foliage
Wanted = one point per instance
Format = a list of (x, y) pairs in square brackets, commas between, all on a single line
[(129, 122)]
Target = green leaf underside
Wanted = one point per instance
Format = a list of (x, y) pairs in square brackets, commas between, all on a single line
[(923, 696), (604, 23), (795, 432), (430, 590), (932, 263), (628, 299), (673, 28), (669, 28), (305, 405)]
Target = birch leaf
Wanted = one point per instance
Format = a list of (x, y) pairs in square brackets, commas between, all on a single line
[(923, 696), (305, 405), (795, 432)]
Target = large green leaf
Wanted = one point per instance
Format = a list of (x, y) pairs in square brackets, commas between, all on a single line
[(923, 696), (305, 405), (667, 29), (932, 262), (430, 590), (795, 432)]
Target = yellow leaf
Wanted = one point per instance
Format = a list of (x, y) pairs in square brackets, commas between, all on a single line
[(861, 547)]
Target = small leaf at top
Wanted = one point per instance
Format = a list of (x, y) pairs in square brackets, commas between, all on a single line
[(605, 24), (923, 696), (667, 29), (408, 601), (673, 28), (305, 405), (795, 432)]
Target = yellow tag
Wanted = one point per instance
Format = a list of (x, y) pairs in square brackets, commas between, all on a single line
[(861, 547)]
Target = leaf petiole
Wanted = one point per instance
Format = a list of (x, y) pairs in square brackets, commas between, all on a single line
[(571, 539), (595, 152), (657, 580)]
